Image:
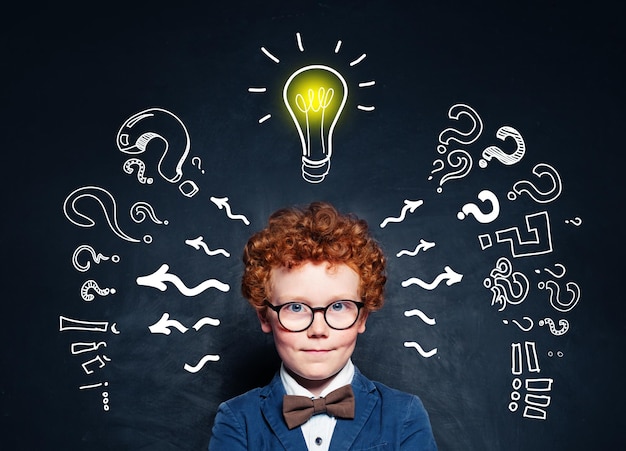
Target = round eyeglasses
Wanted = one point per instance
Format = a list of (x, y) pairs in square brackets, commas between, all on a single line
[(298, 316)]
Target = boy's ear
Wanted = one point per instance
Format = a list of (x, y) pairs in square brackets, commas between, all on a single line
[(362, 321), (266, 326)]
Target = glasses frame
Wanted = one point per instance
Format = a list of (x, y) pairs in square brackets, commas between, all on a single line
[(314, 310)]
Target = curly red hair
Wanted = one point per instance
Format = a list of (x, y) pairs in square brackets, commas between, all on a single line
[(316, 233)]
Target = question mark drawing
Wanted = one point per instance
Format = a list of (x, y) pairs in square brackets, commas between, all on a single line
[(128, 168), (106, 202), (576, 221), (505, 158), (473, 209), (539, 233), (139, 130), (464, 137), (439, 165), (518, 324), (97, 258), (142, 210), (193, 162), (563, 323), (508, 287), (462, 162), (541, 170), (562, 305), (93, 285)]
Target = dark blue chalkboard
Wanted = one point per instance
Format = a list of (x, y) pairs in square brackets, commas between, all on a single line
[(481, 143)]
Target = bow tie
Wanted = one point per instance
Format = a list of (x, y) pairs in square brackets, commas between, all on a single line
[(338, 403)]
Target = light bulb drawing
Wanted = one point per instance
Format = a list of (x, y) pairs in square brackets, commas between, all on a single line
[(315, 96)]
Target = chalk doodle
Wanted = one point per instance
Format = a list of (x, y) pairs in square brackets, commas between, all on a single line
[(576, 221), (449, 276), (97, 258), (419, 349), (142, 210), (461, 162), (158, 278), (199, 160), (222, 204), (460, 135), (538, 229), (421, 315), (563, 324), (541, 170), (423, 246), (128, 167), (530, 323), (90, 285), (66, 324), (315, 97), (203, 361), (198, 243), (162, 326), (507, 286), (483, 217), (104, 199), (507, 159), (558, 300), (144, 127), (409, 207)]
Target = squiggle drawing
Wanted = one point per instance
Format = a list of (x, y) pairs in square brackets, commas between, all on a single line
[(158, 278), (562, 305), (423, 246), (141, 170), (97, 258), (199, 243), (222, 203), (563, 323), (201, 363), (418, 348), (421, 315), (540, 170), (142, 210), (449, 276), (162, 326), (409, 206)]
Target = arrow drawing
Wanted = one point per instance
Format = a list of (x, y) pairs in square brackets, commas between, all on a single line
[(409, 205), (222, 203), (160, 276), (448, 275), (201, 363), (199, 243), (163, 325), (412, 344), (421, 315), (423, 246)]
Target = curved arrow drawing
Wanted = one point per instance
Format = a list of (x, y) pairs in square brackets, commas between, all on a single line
[(201, 363), (222, 203), (206, 321), (448, 275), (160, 276), (423, 246), (163, 325), (199, 243), (412, 344), (409, 206)]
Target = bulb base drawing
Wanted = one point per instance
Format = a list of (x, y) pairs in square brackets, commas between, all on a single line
[(314, 171)]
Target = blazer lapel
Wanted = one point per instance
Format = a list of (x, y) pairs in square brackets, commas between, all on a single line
[(272, 408), (365, 398)]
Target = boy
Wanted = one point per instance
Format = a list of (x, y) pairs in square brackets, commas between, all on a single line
[(313, 275)]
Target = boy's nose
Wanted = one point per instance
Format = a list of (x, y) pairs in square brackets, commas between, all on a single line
[(319, 327)]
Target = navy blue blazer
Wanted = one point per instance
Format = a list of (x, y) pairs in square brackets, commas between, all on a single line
[(385, 419)]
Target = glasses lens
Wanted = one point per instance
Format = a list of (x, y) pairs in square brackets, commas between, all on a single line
[(295, 316), (341, 314)]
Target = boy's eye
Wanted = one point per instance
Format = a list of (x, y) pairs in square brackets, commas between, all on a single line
[(295, 308), (338, 306)]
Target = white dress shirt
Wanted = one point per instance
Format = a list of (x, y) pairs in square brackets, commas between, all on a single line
[(319, 429)]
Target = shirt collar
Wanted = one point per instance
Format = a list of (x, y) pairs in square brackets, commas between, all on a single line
[(343, 377)]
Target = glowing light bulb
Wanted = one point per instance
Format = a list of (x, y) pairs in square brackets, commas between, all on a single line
[(315, 96)]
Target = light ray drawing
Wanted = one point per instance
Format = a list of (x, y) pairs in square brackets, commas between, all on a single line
[(315, 96)]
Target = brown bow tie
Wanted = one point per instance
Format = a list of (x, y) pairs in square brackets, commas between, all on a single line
[(338, 403)]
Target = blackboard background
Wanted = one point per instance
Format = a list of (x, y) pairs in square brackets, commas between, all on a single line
[(72, 76)]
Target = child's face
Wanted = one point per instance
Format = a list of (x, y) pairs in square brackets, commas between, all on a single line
[(316, 354)]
